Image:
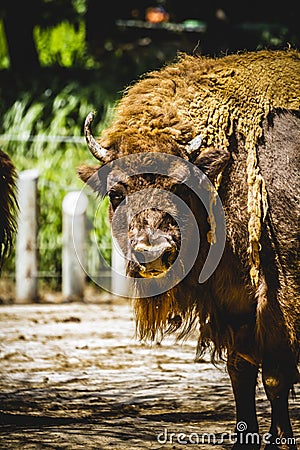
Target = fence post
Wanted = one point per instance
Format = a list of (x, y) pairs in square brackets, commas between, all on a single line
[(73, 251), (26, 241)]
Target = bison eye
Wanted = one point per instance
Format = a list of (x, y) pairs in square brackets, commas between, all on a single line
[(116, 198)]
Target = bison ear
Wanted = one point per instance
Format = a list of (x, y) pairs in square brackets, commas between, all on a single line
[(212, 161), (90, 176)]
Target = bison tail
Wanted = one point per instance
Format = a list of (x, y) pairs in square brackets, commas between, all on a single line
[(8, 205)]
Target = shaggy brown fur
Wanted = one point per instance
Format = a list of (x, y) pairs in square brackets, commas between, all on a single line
[(212, 97), (8, 205), (246, 107), (225, 100)]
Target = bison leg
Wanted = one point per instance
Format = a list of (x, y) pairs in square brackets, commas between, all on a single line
[(243, 377), (277, 384)]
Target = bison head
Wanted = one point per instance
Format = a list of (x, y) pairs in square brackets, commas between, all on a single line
[(156, 206)]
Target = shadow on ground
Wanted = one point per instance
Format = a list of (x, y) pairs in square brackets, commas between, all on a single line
[(73, 376)]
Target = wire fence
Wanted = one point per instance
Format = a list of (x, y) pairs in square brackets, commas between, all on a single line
[(51, 190), (24, 137)]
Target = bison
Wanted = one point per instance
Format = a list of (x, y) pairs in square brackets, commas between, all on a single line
[(8, 205), (233, 125)]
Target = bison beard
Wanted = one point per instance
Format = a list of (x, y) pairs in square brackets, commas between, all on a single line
[(246, 109)]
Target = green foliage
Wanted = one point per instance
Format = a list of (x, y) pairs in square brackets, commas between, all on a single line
[(80, 6), (34, 127), (63, 45), (4, 59)]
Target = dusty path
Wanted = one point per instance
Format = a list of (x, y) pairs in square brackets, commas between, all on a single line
[(73, 376)]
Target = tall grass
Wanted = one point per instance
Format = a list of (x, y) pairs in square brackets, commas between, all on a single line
[(32, 126)]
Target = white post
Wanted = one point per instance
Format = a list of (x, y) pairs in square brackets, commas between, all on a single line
[(26, 241), (119, 282), (73, 252)]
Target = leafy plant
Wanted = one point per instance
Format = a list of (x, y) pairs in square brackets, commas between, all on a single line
[(4, 59), (63, 45), (45, 133)]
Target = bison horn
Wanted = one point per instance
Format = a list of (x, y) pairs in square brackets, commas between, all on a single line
[(95, 148), (193, 147)]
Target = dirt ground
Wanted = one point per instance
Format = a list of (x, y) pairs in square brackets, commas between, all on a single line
[(73, 376)]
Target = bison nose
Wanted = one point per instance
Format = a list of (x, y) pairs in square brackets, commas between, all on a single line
[(154, 258)]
